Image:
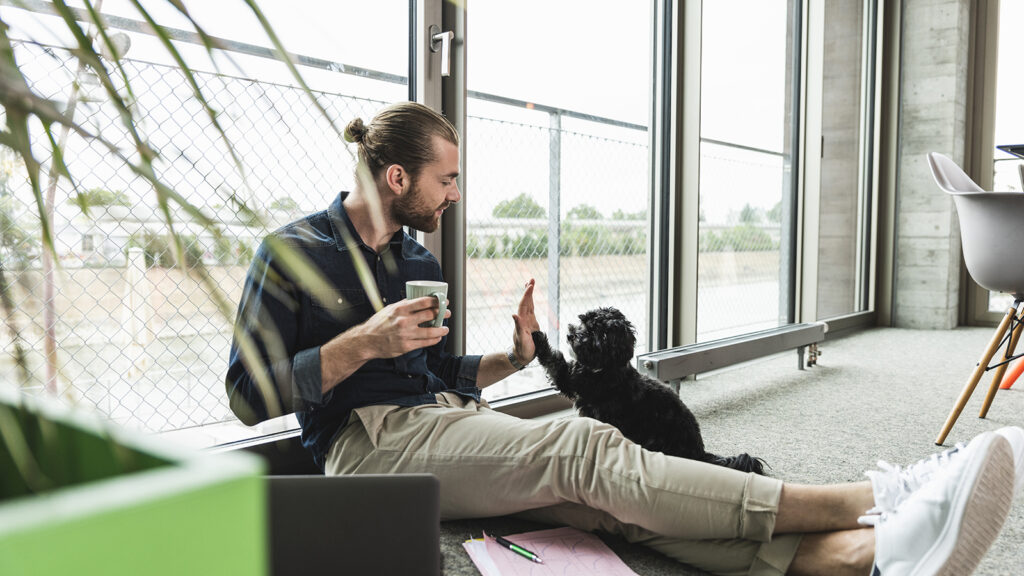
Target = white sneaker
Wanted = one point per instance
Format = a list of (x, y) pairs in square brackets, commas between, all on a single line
[(945, 527), (892, 484), (1015, 436)]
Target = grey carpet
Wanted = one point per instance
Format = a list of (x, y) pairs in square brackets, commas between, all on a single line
[(878, 394)]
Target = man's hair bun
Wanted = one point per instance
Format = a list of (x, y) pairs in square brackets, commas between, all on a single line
[(355, 131)]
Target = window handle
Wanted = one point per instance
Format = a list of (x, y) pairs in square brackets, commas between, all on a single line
[(442, 41)]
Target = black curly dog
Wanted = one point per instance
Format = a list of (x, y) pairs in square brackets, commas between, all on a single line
[(604, 385)]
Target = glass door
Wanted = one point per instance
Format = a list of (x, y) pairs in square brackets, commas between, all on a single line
[(746, 190), (844, 199), (557, 168), (1009, 122)]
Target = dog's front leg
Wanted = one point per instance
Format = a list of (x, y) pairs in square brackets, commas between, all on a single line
[(553, 362)]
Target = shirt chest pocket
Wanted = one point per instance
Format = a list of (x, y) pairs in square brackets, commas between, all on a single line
[(337, 312)]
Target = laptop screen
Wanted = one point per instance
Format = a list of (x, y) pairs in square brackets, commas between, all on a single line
[(358, 524), (1015, 149)]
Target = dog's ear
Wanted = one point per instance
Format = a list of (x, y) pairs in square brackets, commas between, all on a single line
[(620, 342), (585, 342)]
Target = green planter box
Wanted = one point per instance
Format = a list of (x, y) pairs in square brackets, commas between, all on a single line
[(82, 497)]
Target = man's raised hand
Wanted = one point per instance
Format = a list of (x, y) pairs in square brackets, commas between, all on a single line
[(525, 324)]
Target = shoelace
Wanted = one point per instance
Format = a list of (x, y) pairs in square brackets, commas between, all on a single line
[(901, 482), (872, 519)]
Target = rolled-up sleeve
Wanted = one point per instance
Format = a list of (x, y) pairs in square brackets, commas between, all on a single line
[(306, 374), (457, 372), (468, 368)]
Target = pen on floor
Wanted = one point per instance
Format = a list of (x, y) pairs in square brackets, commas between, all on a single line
[(519, 550)]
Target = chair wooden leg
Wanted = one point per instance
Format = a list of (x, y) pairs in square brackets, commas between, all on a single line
[(997, 378), (972, 382)]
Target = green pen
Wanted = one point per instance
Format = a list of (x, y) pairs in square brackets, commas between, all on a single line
[(519, 550)]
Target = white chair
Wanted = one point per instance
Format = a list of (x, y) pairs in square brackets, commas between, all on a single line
[(992, 236)]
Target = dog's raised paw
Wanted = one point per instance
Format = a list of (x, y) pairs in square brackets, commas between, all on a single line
[(540, 342)]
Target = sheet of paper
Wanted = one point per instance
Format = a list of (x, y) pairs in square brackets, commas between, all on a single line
[(565, 551), (477, 549)]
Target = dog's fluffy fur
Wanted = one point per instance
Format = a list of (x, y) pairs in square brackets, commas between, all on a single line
[(604, 385)]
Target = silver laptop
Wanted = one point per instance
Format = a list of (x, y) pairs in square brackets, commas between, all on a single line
[(1015, 149), (1018, 151), (359, 524)]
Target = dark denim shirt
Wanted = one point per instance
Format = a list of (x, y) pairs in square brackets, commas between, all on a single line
[(288, 326)]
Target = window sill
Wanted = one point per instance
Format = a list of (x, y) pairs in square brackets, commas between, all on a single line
[(232, 435), (542, 403)]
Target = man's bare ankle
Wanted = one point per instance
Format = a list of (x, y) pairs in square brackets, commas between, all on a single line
[(845, 552)]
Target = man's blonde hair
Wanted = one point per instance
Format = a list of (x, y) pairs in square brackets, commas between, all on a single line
[(400, 134)]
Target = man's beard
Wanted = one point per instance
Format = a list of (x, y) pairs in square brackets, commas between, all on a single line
[(411, 209)]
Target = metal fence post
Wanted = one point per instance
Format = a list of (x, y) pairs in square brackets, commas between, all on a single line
[(136, 314), (554, 227)]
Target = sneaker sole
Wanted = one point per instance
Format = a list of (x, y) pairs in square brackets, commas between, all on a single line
[(1015, 436), (981, 505)]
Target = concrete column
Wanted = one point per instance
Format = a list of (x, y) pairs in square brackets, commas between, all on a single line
[(933, 117)]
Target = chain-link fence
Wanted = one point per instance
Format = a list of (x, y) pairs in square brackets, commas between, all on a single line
[(562, 201), (128, 331), (125, 329), (740, 232), (131, 333)]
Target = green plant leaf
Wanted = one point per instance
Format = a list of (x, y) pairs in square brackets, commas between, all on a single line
[(288, 61), (21, 453), (101, 29), (88, 56), (196, 91)]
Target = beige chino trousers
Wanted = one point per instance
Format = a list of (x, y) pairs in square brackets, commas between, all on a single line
[(572, 471)]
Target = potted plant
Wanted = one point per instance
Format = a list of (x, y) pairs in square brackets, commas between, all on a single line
[(80, 496)]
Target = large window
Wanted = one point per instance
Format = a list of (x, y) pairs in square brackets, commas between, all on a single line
[(119, 325), (558, 142), (777, 165), (1009, 115), (844, 192), (557, 169), (746, 156)]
